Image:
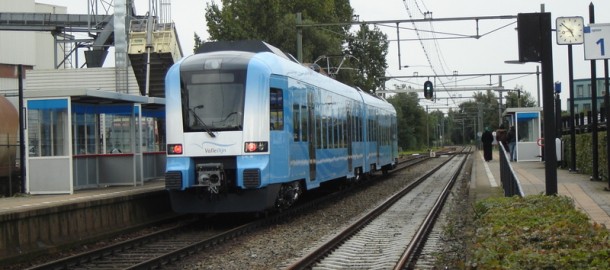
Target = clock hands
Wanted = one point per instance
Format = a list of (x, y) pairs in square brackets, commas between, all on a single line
[(570, 30)]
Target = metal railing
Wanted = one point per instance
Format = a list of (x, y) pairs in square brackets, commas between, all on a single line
[(510, 181)]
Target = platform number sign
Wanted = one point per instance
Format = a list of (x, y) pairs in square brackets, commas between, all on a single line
[(597, 40)]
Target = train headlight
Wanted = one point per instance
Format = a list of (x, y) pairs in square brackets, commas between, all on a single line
[(212, 64), (174, 149), (256, 147)]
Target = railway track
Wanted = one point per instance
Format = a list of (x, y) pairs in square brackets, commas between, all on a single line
[(171, 245), (392, 234)]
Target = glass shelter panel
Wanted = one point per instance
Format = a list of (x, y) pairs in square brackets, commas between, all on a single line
[(47, 134), (118, 134), (110, 129), (84, 134), (528, 127)]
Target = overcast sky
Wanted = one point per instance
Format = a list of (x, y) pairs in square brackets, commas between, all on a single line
[(445, 56)]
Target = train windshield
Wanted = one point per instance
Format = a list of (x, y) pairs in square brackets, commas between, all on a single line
[(213, 100)]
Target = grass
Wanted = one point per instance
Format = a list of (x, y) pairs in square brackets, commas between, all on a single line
[(537, 232)]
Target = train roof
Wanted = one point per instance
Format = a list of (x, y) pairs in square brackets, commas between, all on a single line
[(310, 76), (291, 64), (254, 46)]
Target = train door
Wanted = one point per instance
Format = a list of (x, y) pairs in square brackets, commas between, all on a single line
[(393, 140), (350, 132), (377, 136), (311, 135)]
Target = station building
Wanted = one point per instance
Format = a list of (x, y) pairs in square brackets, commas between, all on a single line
[(582, 94)]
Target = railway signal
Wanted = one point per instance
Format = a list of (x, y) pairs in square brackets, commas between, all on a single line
[(428, 90)]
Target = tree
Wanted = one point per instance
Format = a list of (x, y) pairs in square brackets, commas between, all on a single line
[(411, 119), (198, 42), (437, 123), (483, 111), (370, 47), (462, 126), (274, 21), (519, 98)]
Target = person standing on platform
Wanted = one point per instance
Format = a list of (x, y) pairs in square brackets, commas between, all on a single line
[(487, 139), (512, 142), (501, 137)]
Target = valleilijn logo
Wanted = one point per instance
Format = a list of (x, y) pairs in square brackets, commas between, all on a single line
[(214, 148)]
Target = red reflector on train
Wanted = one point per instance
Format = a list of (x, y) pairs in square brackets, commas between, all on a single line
[(256, 147), (174, 149)]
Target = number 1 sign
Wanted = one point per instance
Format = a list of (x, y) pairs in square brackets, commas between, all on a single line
[(597, 41)]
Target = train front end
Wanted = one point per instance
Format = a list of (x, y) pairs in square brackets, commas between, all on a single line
[(217, 109)]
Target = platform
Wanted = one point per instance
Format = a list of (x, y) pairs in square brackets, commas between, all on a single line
[(589, 196), (34, 223), (32, 202)]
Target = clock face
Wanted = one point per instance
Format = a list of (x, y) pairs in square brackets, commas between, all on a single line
[(569, 30)]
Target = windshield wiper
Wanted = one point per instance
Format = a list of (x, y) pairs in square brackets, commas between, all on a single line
[(205, 127)]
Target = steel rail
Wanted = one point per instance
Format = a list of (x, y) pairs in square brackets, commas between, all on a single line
[(318, 253), (407, 260)]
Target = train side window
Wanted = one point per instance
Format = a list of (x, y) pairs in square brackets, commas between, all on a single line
[(323, 130), (385, 135), (276, 109), (360, 130), (331, 132), (296, 122), (326, 132), (382, 130), (343, 133), (373, 130), (337, 130), (335, 137), (319, 137), (370, 130), (356, 128), (304, 123), (367, 136)]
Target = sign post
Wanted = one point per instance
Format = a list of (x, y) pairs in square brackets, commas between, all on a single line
[(597, 47)]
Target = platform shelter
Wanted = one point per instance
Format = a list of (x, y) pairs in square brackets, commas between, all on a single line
[(527, 123), (83, 138)]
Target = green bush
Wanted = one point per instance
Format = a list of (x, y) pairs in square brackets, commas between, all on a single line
[(584, 159), (537, 232)]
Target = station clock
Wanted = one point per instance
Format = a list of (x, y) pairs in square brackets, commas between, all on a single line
[(569, 30)]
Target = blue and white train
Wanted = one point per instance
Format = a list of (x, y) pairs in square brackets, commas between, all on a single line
[(249, 129)]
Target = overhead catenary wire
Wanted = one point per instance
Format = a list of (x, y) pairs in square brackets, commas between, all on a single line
[(442, 79), (423, 46)]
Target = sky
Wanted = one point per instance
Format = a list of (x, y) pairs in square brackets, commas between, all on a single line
[(443, 56)]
